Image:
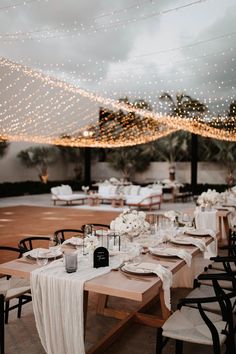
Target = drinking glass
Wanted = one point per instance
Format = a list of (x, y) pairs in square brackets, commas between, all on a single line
[(42, 258), (71, 262), (54, 246)]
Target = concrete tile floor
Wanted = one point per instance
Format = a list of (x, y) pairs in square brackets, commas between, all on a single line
[(45, 200)]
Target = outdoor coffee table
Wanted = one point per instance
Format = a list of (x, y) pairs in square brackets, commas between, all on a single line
[(117, 202), (93, 199)]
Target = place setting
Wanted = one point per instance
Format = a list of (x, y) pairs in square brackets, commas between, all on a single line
[(168, 253), (42, 256)]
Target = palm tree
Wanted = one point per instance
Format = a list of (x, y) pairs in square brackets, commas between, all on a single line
[(40, 157), (129, 160), (185, 106)]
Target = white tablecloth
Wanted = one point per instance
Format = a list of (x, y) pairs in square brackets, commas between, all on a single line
[(206, 219), (58, 306)]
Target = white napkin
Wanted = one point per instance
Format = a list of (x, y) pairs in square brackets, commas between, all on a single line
[(187, 257), (42, 252), (76, 241), (201, 232), (191, 241), (164, 274)]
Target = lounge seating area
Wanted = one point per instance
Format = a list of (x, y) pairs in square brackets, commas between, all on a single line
[(64, 193), (117, 195)]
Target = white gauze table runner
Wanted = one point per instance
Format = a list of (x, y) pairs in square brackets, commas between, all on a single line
[(206, 219), (58, 306)]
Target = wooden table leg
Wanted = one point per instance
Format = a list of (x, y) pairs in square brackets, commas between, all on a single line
[(101, 304), (85, 304)]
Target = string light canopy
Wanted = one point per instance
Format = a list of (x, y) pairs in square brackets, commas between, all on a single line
[(39, 108)]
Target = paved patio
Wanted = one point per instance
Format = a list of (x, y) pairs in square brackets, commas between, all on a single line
[(45, 201)]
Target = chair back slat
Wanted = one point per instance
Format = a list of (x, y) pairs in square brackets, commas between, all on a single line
[(27, 244)]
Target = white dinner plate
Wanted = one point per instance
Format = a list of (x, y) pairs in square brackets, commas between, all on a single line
[(181, 241), (161, 253), (44, 253), (196, 232), (132, 269), (75, 241)]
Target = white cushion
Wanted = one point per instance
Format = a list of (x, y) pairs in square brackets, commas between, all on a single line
[(104, 190), (126, 190), (113, 190), (134, 190), (136, 199), (66, 190), (144, 200), (55, 190), (145, 191)]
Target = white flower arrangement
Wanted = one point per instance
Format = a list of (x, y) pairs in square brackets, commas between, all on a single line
[(130, 222), (211, 196), (172, 215), (90, 243)]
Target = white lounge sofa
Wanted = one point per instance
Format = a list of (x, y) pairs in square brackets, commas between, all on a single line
[(108, 192), (133, 195), (143, 197), (64, 193)]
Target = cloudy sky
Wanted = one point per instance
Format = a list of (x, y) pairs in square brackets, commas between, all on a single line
[(134, 48)]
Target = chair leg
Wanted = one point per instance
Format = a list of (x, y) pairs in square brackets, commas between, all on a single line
[(7, 311), (159, 341), (178, 346), (20, 303), (2, 325)]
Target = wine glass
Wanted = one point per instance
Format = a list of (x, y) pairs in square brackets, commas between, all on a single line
[(54, 245), (42, 258)]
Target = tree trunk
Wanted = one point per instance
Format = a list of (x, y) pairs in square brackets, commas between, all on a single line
[(87, 166)]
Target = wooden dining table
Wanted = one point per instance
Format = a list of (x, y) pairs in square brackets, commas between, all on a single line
[(145, 290)]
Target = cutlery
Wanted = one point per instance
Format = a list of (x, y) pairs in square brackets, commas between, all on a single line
[(118, 267), (27, 260)]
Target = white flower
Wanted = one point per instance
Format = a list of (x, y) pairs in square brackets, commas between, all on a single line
[(90, 243), (132, 222), (171, 214), (211, 196)]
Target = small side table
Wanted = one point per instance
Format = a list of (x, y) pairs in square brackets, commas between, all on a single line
[(93, 199), (117, 202)]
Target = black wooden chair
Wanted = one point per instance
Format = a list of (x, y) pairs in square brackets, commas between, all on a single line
[(193, 323), (63, 234), (28, 243), (17, 288), (2, 325)]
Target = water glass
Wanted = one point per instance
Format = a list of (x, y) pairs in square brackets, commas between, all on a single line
[(42, 258), (71, 261)]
